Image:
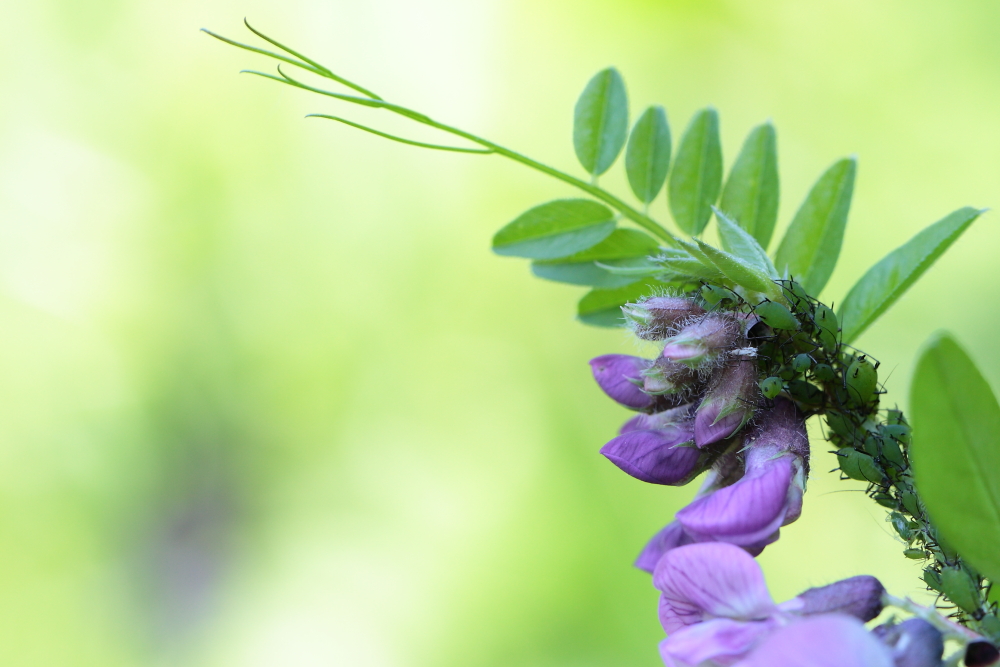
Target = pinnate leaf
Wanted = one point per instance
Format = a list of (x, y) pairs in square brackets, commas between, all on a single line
[(555, 229), (600, 121), (887, 280), (810, 248), (955, 452), (696, 178), (750, 196), (647, 158)]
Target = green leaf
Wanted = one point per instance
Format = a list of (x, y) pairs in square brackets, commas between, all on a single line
[(600, 121), (885, 282), (737, 241), (622, 246), (697, 174), (955, 455), (555, 229), (811, 246), (743, 273), (750, 195), (602, 307), (647, 158)]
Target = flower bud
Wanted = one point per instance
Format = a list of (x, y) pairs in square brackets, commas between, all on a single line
[(668, 377), (729, 402), (913, 643), (620, 377), (653, 318), (860, 597), (981, 654), (655, 456), (701, 341)]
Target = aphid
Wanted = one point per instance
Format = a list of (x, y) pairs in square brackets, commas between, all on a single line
[(776, 316)]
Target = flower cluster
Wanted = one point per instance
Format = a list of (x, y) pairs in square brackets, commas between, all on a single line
[(701, 409), (716, 608), (728, 396)]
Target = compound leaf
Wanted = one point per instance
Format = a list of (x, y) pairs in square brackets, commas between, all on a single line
[(696, 178), (600, 121), (750, 196), (647, 158), (555, 229)]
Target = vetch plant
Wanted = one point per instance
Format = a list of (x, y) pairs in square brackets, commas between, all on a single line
[(747, 354)]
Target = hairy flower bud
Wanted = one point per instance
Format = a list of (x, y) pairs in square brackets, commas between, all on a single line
[(860, 597), (620, 377), (729, 402), (657, 456), (702, 340), (668, 377), (653, 318)]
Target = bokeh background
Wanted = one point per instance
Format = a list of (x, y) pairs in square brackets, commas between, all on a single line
[(266, 397)]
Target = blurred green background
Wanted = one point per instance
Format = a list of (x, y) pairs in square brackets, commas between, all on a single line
[(268, 398)]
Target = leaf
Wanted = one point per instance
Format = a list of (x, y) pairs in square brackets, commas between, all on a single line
[(811, 246), (555, 229), (602, 307), (600, 121), (737, 241), (581, 269), (742, 273), (955, 457), (647, 158), (750, 195), (697, 174), (887, 280)]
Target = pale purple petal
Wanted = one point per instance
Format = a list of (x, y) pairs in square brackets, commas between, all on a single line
[(721, 641), (657, 457), (747, 512), (644, 422), (710, 580), (829, 640), (670, 537), (859, 596), (615, 374), (708, 428)]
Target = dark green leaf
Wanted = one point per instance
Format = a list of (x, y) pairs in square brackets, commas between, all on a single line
[(743, 273), (623, 245), (647, 158), (555, 229), (697, 174), (602, 307), (955, 452), (885, 282), (600, 121), (738, 241), (811, 246), (750, 195)]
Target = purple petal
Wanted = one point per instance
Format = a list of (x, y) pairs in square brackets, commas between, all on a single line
[(729, 402), (657, 457), (747, 512), (710, 580), (860, 597), (720, 641), (830, 640), (614, 374), (670, 537), (644, 422)]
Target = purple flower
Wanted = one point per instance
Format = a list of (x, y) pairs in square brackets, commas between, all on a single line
[(715, 606), (653, 318), (753, 509), (830, 640), (669, 377), (729, 402), (646, 422), (702, 340), (620, 376), (699, 582), (658, 456)]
